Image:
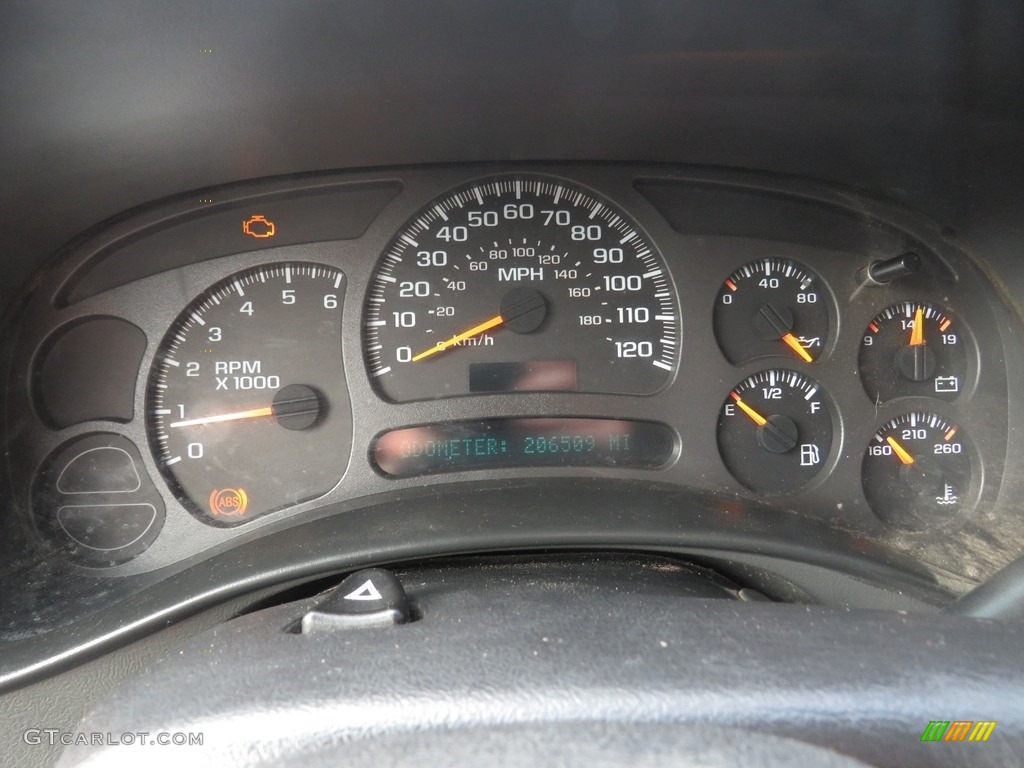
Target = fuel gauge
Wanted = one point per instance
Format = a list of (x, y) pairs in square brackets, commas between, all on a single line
[(917, 471), (775, 431)]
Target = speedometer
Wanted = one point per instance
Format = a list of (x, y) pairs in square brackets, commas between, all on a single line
[(521, 284)]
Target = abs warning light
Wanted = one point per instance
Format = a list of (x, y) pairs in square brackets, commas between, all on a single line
[(228, 502), (259, 226)]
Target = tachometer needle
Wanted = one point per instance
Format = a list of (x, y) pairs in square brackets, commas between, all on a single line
[(255, 413), (757, 417), (796, 346), (476, 330), (899, 450), (917, 334)]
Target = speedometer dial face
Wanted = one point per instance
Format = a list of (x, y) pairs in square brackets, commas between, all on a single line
[(247, 405), (521, 284)]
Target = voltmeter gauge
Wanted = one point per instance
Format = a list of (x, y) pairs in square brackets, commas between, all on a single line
[(770, 308), (913, 349), (917, 471), (775, 431)]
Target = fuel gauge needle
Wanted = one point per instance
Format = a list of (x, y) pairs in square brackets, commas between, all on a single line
[(754, 415), (899, 450), (255, 413)]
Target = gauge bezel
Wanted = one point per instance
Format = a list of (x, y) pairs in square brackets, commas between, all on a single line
[(828, 301), (940, 526), (261, 273), (483, 189)]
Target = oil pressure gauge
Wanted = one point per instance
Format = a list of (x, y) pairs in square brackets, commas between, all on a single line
[(775, 431), (913, 349), (771, 307)]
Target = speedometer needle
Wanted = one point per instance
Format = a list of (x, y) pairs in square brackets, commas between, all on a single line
[(255, 413), (476, 330)]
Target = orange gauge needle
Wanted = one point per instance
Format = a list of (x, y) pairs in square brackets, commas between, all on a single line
[(757, 417), (900, 451), (796, 346), (256, 413), (917, 334), (476, 330)]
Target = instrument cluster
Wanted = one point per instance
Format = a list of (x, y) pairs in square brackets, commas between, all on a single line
[(482, 323)]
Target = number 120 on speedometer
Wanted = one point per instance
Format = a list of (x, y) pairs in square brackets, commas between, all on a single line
[(520, 284)]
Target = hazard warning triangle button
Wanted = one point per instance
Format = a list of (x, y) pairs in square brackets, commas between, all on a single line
[(372, 597), (366, 592)]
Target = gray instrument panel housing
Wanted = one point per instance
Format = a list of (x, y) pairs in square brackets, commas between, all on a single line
[(693, 502)]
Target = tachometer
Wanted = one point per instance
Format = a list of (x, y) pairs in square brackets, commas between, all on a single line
[(247, 405), (521, 284)]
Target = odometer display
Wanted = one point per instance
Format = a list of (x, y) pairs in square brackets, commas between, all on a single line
[(527, 442), (520, 284)]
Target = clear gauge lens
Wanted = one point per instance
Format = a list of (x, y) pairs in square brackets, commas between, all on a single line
[(775, 431), (917, 471), (913, 349), (771, 308), (521, 284), (247, 406)]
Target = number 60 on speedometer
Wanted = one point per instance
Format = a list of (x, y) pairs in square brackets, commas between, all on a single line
[(520, 284)]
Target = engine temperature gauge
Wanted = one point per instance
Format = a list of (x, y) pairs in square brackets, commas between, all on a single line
[(775, 431), (911, 349), (917, 471), (769, 308)]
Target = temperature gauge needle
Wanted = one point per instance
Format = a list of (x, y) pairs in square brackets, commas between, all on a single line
[(757, 417), (476, 330), (899, 450), (794, 343), (917, 333), (255, 413)]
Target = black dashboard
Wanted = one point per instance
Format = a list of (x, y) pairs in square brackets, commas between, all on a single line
[(758, 357), (601, 323)]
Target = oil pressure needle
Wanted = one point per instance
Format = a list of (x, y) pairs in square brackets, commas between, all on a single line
[(796, 346), (899, 450)]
